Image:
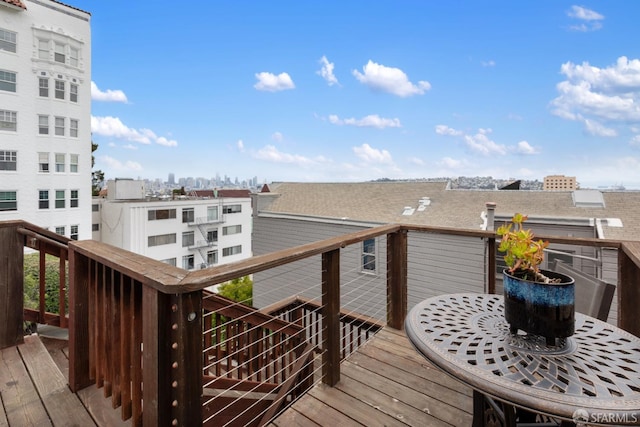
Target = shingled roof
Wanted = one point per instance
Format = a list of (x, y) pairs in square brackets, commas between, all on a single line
[(16, 3), (385, 202)]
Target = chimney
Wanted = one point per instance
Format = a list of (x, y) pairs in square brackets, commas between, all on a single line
[(491, 214)]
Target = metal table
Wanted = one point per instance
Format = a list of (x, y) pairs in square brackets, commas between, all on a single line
[(593, 377)]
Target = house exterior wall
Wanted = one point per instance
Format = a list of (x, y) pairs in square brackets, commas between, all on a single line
[(430, 262), (51, 22), (126, 224)]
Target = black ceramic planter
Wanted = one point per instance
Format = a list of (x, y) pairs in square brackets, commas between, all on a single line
[(542, 309)]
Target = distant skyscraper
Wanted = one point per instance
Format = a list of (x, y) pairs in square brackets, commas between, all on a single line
[(172, 179)]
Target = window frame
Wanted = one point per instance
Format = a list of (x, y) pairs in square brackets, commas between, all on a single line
[(8, 81), (8, 39), (231, 209), (8, 204), (59, 93), (60, 202), (73, 92), (43, 202), (230, 230), (232, 250), (60, 165), (8, 160), (73, 163), (188, 239), (43, 128), (161, 239), (188, 262), (74, 232), (74, 198), (73, 128), (59, 55), (188, 213), (43, 167), (212, 257), (161, 214), (43, 89), (368, 257), (9, 120), (58, 130), (61, 230)]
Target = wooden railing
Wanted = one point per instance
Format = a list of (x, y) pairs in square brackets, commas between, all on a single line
[(136, 325)]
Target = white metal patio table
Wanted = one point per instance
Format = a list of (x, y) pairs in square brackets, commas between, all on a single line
[(593, 377)]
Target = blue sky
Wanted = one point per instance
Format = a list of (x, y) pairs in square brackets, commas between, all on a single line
[(361, 90)]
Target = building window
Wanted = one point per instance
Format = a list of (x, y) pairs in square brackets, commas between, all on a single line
[(212, 213), (170, 261), (161, 239), (231, 229), (43, 49), (73, 201), (369, 255), (60, 126), (73, 92), (60, 230), (43, 85), (73, 163), (212, 236), (188, 215), (232, 209), (60, 199), (95, 227), (188, 239), (8, 120), (232, 250), (212, 257), (157, 214), (8, 201), (59, 91), (59, 55), (73, 128), (43, 162), (8, 160), (73, 56), (43, 196), (43, 125), (7, 81), (74, 232), (8, 40), (187, 262), (60, 162), (95, 208)]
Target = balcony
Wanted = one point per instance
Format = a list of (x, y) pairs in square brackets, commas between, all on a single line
[(162, 350)]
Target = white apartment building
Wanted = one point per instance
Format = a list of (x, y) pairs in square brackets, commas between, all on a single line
[(191, 233), (45, 115)]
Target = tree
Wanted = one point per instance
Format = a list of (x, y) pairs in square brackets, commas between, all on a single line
[(97, 177), (240, 289), (52, 282)]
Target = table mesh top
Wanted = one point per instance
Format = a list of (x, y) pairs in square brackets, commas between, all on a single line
[(598, 368)]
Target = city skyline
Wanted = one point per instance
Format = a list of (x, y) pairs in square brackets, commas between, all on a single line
[(360, 91)]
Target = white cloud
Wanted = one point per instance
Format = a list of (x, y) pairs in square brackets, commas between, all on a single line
[(372, 120), (450, 163), (391, 80), (635, 141), (240, 145), (525, 148), (372, 155), (591, 20), (416, 161), (130, 147), (108, 95), (118, 166), (446, 130), (113, 127), (271, 83), (595, 128), (327, 71), (277, 136), (490, 63), (271, 154), (599, 97)]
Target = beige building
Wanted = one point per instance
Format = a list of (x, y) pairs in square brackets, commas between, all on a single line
[(559, 182)]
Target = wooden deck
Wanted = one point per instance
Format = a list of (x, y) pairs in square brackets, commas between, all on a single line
[(34, 389), (385, 383)]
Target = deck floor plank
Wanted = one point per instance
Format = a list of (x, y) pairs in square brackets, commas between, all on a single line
[(63, 407), (19, 396), (386, 382)]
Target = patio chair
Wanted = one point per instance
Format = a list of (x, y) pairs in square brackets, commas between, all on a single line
[(593, 297)]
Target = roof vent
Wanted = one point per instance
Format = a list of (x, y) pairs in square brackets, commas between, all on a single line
[(408, 211), (587, 199)]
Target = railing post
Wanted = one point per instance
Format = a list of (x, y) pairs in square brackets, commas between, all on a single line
[(491, 266), (172, 358), (397, 279), (331, 317), (11, 285), (629, 287), (79, 375)]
